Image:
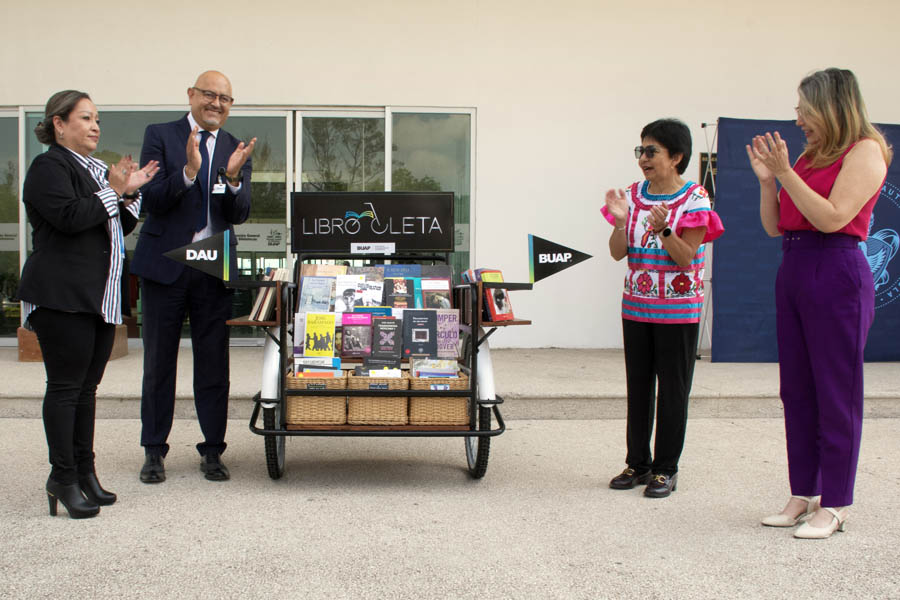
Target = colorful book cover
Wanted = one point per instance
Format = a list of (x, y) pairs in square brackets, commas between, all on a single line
[(448, 333), (356, 334), (496, 300), (420, 333), (436, 293), (369, 272), (316, 294), (319, 334), (402, 271), (398, 292), (387, 341), (375, 311), (348, 292), (417, 292)]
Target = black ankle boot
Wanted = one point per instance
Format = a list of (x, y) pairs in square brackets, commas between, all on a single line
[(71, 497), (96, 494)]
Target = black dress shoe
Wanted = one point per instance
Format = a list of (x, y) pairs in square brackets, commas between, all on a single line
[(94, 492), (213, 469), (71, 497), (628, 478), (153, 470), (661, 485)]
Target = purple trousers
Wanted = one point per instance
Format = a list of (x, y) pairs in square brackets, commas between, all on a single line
[(825, 301)]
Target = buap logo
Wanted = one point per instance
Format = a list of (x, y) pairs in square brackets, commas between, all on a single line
[(880, 249)]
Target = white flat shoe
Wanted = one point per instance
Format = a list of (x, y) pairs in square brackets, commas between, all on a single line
[(783, 520), (808, 532)]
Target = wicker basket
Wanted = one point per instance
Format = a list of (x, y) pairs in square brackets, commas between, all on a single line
[(435, 410), (377, 410), (316, 410)]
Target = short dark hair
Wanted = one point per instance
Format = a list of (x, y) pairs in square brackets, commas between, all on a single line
[(61, 104), (674, 135)]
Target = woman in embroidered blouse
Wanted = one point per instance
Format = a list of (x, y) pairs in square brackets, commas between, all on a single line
[(71, 284), (661, 225), (824, 293)]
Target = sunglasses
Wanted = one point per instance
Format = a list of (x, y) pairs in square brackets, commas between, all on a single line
[(650, 151)]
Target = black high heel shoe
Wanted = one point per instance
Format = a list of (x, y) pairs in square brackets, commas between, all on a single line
[(71, 497), (96, 494)]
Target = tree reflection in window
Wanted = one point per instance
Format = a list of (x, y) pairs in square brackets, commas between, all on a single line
[(343, 155)]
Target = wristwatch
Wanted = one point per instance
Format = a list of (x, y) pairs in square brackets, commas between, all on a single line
[(236, 181), (667, 232)]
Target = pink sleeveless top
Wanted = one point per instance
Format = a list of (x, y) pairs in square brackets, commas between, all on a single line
[(821, 181)]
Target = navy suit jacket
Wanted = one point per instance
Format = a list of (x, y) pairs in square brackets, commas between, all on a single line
[(70, 264), (172, 208)]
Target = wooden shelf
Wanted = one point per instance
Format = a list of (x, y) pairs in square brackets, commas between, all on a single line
[(246, 322), (291, 427)]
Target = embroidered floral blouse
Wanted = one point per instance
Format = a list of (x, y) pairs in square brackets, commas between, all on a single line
[(657, 290)]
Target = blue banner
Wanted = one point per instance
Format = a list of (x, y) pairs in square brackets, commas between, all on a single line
[(746, 260)]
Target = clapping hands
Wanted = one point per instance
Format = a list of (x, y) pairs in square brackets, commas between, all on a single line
[(126, 178), (768, 156)]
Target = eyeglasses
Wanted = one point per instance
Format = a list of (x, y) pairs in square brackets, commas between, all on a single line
[(650, 151), (212, 96)]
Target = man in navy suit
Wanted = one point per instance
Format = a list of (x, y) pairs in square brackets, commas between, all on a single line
[(202, 189)]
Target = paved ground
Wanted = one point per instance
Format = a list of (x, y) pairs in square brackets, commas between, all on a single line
[(399, 518)]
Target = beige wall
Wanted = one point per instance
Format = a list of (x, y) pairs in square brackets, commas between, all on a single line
[(562, 89)]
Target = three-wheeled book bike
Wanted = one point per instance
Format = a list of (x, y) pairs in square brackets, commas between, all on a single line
[(371, 229)]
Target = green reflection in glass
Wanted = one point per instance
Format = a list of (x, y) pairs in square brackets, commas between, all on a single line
[(433, 152), (343, 155), (9, 225)]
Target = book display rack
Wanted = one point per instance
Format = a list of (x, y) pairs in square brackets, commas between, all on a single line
[(295, 405)]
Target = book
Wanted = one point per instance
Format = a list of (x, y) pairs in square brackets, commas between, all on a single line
[(398, 292), (348, 292), (320, 373), (495, 299), (448, 333), (375, 311), (430, 367), (299, 333), (436, 293), (387, 338), (369, 272), (402, 271), (420, 333), (316, 294), (319, 334), (374, 362), (316, 362), (372, 292), (437, 272), (356, 336), (267, 306), (261, 294), (325, 270)]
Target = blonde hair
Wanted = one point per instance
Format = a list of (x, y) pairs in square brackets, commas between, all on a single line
[(830, 101)]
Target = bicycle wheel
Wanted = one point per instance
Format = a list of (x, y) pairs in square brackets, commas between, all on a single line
[(478, 448), (274, 443)]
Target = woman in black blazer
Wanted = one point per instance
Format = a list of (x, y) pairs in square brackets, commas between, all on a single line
[(71, 284)]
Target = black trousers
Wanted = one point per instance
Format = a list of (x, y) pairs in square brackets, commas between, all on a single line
[(75, 347), (663, 354), (207, 303)]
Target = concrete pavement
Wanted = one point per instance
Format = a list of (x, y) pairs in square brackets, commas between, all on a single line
[(539, 383), (400, 518)]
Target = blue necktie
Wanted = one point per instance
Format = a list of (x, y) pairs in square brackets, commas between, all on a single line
[(203, 180)]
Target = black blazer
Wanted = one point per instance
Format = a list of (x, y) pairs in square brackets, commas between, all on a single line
[(172, 208), (68, 269)]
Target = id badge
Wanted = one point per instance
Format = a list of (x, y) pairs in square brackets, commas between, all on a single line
[(218, 188)]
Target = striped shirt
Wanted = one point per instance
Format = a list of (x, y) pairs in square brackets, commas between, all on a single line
[(657, 289), (111, 306)]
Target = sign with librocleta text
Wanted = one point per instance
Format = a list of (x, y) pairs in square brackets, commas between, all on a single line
[(332, 221)]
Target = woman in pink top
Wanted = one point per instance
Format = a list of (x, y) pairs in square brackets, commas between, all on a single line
[(824, 293)]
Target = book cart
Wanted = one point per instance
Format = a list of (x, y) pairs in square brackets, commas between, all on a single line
[(479, 393)]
